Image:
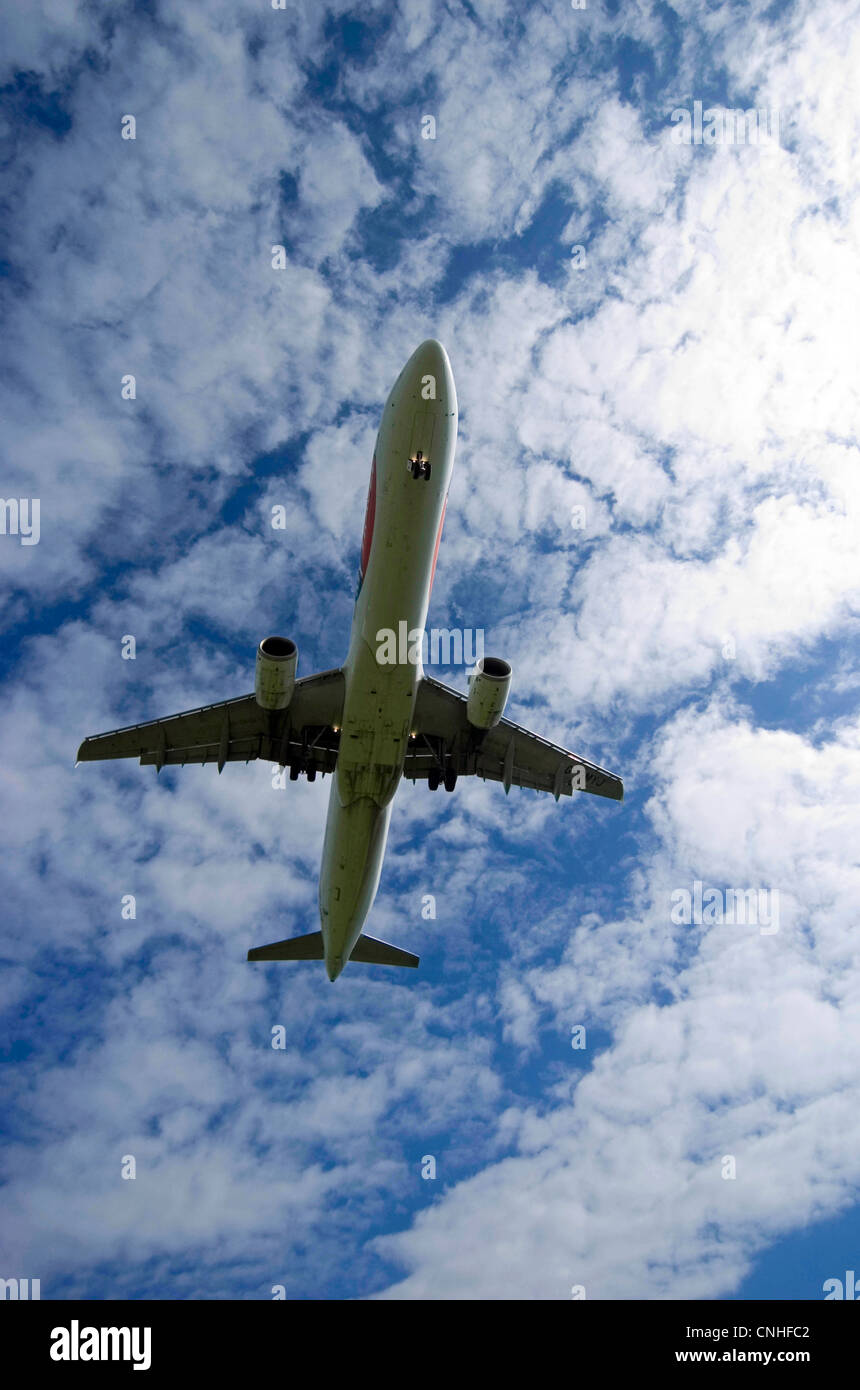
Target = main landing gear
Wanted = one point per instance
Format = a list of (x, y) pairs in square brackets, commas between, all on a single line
[(297, 768), (419, 467), (435, 776)]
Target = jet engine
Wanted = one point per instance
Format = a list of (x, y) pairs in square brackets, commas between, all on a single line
[(489, 684), (275, 674)]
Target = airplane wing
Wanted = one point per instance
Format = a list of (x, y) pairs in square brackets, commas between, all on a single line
[(507, 753), (237, 731)]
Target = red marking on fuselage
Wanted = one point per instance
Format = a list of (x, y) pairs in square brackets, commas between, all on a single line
[(438, 539), (369, 517)]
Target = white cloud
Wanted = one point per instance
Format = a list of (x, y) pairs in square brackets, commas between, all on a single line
[(617, 1181)]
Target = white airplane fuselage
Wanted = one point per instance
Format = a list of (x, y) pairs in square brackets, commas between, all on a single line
[(402, 530)]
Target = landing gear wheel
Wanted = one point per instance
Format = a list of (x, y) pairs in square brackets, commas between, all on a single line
[(294, 772), (415, 468), (312, 774), (450, 779), (427, 472), (433, 779)]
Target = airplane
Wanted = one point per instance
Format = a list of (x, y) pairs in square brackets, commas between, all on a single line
[(375, 719)]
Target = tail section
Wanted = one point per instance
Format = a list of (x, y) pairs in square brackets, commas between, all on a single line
[(308, 947), (373, 952), (367, 949)]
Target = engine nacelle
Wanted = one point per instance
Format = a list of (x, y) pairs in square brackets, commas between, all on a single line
[(489, 684), (275, 675)]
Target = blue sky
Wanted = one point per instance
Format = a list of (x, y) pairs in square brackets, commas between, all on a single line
[(688, 380)]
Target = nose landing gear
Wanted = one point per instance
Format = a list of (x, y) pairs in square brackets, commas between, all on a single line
[(419, 466)]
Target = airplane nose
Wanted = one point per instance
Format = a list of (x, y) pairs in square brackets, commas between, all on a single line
[(431, 352), (427, 376)]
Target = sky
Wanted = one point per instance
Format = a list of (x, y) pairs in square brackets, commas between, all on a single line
[(653, 518)]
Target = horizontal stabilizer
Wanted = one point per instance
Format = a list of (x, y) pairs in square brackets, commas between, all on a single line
[(308, 947), (373, 952)]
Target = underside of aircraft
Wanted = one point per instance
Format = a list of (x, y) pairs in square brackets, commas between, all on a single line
[(375, 719)]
